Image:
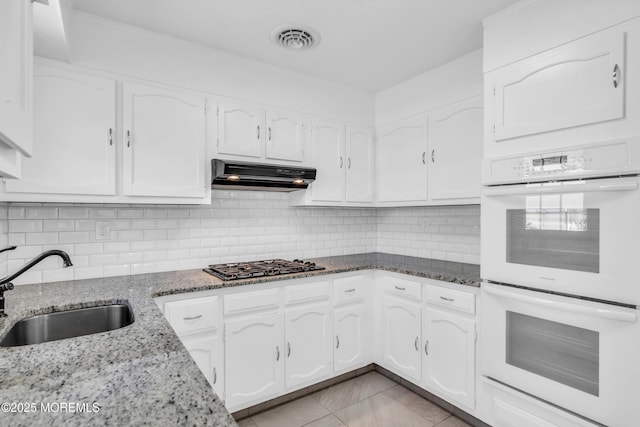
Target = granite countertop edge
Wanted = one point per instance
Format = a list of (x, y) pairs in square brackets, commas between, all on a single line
[(144, 367)]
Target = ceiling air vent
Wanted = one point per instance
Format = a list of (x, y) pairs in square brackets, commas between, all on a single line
[(295, 38)]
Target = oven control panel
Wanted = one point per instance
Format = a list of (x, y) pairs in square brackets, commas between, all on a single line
[(615, 158)]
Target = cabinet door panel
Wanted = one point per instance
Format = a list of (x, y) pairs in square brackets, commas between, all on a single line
[(449, 354), (164, 143), (328, 159), (240, 129), (359, 181), (455, 150), (16, 51), (348, 328), (206, 350), (285, 136), (308, 344), (74, 117), (254, 358), (401, 164), (401, 335), (569, 86)]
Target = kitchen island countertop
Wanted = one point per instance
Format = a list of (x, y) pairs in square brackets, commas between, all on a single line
[(140, 374)]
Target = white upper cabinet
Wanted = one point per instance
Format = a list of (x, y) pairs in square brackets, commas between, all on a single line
[(308, 335), (240, 129), (285, 136), (359, 172), (74, 118), (16, 51), (328, 143), (163, 142), (580, 92), (249, 132), (455, 151), (401, 161)]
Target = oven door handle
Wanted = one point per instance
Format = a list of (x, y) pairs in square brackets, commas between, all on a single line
[(605, 313), (621, 184)]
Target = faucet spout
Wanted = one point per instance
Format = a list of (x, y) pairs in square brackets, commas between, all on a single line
[(62, 254)]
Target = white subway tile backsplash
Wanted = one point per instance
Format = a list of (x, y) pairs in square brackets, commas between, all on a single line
[(239, 225)]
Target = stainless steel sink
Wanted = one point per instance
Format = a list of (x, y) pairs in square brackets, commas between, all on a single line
[(68, 324)]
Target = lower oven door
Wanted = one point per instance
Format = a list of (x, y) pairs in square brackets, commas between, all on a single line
[(580, 355)]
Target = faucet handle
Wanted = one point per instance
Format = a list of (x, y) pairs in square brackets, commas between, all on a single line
[(6, 287), (8, 248)]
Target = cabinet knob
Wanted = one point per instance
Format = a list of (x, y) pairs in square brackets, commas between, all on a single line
[(424, 156), (349, 163), (277, 353), (215, 375), (416, 344), (426, 348), (341, 162), (337, 341), (400, 288), (288, 349), (110, 136), (616, 76), (433, 156), (269, 133), (447, 299), (258, 131), (128, 138), (192, 318)]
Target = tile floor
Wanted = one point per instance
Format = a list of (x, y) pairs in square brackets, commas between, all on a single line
[(370, 400)]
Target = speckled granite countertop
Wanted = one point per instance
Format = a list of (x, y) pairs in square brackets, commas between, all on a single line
[(140, 374)]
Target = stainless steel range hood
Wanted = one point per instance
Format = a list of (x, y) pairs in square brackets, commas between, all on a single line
[(256, 176)]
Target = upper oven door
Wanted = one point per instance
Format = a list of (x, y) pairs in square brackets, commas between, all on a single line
[(574, 237), (579, 355)]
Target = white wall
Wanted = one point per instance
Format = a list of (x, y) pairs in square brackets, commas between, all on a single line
[(114, 47), (452, 82)]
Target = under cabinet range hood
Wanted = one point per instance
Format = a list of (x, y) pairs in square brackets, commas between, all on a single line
[(257, 176)]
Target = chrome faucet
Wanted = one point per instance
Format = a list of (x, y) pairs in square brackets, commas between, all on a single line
[(5, 282)]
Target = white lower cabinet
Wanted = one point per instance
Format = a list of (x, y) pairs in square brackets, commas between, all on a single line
[(348, 328), (308, 344), (401, 336), (208, 353), (449, 355), (254, 356)]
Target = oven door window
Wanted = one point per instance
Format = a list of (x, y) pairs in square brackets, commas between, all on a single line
[(559, 352), (554, 231)]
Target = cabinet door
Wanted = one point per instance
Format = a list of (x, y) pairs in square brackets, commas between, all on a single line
[(455, 150), (359, 181), (254, 356), (401, 161), (206, 349), (449, 355), (576, 84), (348, 328), (401, 336), (328, 158), (240, 129), (74, 117), (164, 142), (285, 136), (16, 51), (308, 344)]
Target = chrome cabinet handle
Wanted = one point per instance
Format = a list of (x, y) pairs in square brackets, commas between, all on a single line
[(215, 375), (110, 136), (337, 341), (426, 348), (616, 76), (416, 344), (424, 155), (288, 350), (277, 353), (128, 138), (258, 131), (192, 318), (433, 156), (349, 163), (341, 162), (348, 291), (447, 299), (269, 130), (400, 288)]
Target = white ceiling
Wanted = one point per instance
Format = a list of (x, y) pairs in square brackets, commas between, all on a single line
[(367, 44)]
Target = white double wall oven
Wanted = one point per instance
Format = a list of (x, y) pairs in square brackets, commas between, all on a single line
[(559, 296)]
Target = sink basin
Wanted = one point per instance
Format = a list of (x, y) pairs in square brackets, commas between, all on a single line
[(68, 324)]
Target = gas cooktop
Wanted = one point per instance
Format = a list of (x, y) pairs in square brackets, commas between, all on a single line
[(270, 267)]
